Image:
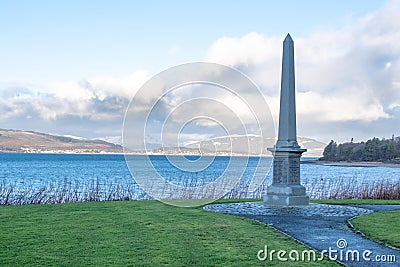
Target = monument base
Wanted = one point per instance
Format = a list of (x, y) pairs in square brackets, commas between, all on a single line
[(286, 195)]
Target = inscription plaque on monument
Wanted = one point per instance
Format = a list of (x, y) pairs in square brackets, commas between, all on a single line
[(294, 169)]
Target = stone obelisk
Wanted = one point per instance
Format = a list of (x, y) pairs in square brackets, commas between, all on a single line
[(286, 188)]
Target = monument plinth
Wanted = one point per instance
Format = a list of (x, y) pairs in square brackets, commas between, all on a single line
[(286, 188)]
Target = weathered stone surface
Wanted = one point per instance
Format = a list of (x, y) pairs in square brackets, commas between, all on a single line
[(285, 200), (286, 168), (259, 208), (286, 189), (287, 115)]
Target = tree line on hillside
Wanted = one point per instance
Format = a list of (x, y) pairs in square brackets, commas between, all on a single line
[(385, 150)]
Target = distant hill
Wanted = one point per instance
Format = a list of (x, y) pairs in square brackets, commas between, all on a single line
[(251, 144), (34, 142)]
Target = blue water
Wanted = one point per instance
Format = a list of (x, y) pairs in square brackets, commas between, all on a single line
[(40, 170)]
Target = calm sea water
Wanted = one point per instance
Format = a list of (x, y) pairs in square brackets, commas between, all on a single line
[(38, 170)]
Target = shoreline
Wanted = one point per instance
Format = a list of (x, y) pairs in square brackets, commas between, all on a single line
[(352, 163), (135, 154)]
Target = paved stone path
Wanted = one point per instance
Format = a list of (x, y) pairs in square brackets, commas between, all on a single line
[(321, 227)]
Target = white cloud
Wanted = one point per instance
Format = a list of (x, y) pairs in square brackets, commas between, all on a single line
[(99, 98), (124, 87), (252, 48), (343, 75), (349, 107)]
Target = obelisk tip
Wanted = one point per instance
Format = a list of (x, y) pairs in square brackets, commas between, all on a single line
[(288, 38)]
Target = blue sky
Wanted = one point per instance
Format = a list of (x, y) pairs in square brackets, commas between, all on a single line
[(45, 40), (63, 61)]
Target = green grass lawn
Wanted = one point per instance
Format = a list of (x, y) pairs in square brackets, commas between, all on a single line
[(150, 233), (381, 226), (133, 233)]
